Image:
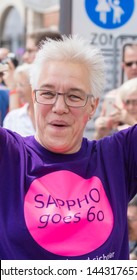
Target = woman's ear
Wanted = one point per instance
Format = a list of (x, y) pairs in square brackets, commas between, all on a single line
[(94, 105)]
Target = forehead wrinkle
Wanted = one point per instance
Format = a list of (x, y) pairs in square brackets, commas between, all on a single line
[(47, 86)]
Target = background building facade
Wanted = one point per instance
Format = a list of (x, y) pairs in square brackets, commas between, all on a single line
[(18, 18)]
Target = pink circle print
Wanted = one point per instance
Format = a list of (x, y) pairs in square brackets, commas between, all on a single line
[(67, 214)]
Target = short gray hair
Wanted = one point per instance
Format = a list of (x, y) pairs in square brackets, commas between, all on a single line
[(23, 68), (127, 88), (76, 50)]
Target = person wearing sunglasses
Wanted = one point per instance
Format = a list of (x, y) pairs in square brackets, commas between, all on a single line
[(64, 197), (129, 64)]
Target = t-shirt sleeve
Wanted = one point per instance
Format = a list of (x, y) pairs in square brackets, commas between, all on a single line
[(10, 144)]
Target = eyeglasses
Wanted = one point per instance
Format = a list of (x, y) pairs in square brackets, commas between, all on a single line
[(130, 102), (130, 63), (30, 51), (73, 98)]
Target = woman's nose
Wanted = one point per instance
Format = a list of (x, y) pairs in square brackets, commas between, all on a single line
[(60, 106)]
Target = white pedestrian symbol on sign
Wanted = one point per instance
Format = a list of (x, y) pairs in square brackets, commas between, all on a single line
[(103, 7)]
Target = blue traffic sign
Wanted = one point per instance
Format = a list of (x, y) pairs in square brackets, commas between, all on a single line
[(109, 14)]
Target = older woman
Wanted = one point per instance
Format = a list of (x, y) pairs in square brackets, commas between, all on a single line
[(63, 196)]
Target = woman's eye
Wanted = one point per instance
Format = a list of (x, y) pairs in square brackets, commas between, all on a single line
[(75, 97), (47, 94)]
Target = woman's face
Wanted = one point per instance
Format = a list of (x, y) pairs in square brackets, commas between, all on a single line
[(59, 127), (130, 104)]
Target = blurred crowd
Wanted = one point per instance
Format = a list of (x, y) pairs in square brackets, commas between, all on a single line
[(119, 111), (119, 108), (16, 105)]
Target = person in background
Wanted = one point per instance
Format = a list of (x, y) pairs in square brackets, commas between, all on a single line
[(66, 197), (121, 114), (129, 63), (132, 226), (21, 120), (3, 69), (33, 42), (4, 103), (129, 71), (4, 95), (12, 62), (3, 53), (126, 116)]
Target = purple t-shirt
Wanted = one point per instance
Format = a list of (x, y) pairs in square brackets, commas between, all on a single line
[(74, 206)]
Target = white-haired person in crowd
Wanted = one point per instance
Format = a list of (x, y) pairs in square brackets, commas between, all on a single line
[(127, 115), (64, 197), (122, 114), (21, 120)]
